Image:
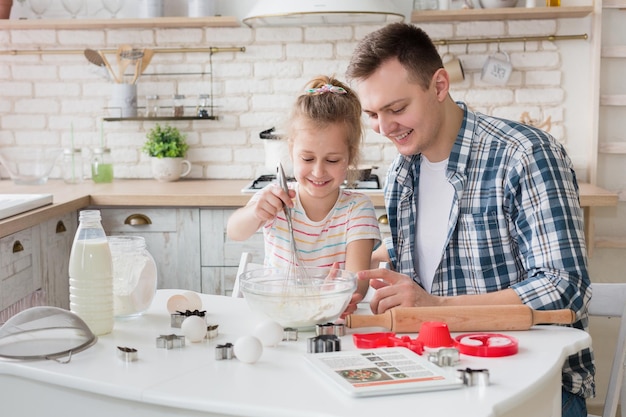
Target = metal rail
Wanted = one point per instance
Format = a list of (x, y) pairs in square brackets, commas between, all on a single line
[(211, 50)]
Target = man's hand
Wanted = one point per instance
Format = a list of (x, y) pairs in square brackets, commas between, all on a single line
[(394, 289)]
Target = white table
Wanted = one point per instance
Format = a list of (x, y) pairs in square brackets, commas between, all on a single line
[(191, 382)]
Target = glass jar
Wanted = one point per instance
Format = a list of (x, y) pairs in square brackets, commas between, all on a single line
[(203, 106), (102, 165), (72, 166), (152, 106), (134, 275), (179, 105)]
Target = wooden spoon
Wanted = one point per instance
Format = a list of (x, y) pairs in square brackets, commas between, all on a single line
[(145, 61), (137, 71), (94, 57), (108, 66), (122, 62)]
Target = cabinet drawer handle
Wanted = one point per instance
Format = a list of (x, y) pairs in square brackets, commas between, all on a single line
[(383, 219), (61, 227), (137, 220), (17, 247)]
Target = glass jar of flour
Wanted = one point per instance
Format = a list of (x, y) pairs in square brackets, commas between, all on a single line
[(134, 275)]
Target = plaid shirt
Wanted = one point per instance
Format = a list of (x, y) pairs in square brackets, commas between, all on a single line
[(515, 222)]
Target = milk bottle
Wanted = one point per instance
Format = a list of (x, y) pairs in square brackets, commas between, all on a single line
[(91, 274)]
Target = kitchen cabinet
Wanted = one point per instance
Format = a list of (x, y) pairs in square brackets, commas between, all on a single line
[(172, 237), (20, 269), (57, 236), (220, 255)]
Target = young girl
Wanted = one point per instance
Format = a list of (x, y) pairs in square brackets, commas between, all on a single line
[(331, 225)]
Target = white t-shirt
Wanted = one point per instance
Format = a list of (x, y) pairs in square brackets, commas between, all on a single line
[(321, 243), (433, 210)]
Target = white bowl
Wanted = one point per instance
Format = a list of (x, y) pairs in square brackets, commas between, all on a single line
[(29, 166), (496, 4), (308, 297)]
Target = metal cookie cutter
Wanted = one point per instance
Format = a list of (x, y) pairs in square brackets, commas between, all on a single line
[(471, 377), (290, 334), (324, 343), (211, 331), (170, 341), (176, 319), (330, 328), (127, 354), (444, 357), (224, 351)]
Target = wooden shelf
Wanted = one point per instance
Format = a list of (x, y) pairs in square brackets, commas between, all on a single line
[(504, 13), (149, 119), (158, 22)]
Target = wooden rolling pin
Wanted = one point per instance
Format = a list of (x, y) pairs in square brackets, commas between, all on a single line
[(462, 319)]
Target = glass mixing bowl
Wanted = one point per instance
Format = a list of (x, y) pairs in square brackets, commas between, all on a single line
[(299, 297), (29, 166)]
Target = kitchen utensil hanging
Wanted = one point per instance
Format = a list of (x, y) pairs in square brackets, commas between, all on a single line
[(44, 333), (108, 66), (134, 56), (122, 62)]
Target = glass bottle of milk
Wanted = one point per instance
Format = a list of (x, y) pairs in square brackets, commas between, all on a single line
[(91, 274)]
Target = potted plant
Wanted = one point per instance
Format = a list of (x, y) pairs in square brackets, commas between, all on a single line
[(167, 148)]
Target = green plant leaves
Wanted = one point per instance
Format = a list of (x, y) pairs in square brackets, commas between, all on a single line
[(165, 142)]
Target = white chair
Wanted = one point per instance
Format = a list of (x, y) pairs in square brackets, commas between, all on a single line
[(609, 300), (245, 264)]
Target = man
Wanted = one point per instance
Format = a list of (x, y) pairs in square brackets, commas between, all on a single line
[(482, 210)]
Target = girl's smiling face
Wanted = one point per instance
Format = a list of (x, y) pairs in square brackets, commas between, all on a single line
[(320, 159)]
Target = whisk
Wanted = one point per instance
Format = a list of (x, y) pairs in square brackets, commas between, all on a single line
[(294, 271)]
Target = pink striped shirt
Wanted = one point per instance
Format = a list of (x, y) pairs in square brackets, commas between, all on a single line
[(321, 243)]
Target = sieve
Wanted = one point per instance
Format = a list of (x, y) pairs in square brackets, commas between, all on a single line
[(44, 333)]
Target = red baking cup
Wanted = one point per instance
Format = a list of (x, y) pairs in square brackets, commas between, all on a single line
[(435, 334), (491, 345)]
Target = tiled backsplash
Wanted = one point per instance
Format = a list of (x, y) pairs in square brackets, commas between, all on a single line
[(42, 96)]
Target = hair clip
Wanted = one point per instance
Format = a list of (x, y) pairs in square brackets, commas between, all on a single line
[(327, 88)]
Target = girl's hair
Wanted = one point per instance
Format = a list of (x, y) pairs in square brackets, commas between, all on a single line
[(327, 101), (410, 45)]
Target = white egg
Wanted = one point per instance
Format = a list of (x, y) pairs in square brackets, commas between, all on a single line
[(194, 328), (177, 303), (269, 332), (248, 349), (195, 303)]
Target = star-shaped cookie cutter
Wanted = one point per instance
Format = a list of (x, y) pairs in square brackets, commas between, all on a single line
[(127, 354), (170, 341)]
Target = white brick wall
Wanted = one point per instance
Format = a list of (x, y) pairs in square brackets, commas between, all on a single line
[(42, 96)]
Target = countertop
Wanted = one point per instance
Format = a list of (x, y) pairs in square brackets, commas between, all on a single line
[(191, 382), (183, 193)]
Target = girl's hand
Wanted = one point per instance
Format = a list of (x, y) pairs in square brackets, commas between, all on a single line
[(357, 297), (271, 201)]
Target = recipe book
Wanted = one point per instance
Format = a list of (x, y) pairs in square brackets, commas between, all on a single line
[(382, 371)]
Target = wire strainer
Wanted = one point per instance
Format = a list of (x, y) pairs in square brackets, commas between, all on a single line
[(44, 333)]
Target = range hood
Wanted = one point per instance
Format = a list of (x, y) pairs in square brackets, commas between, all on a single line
[(321, 12)]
